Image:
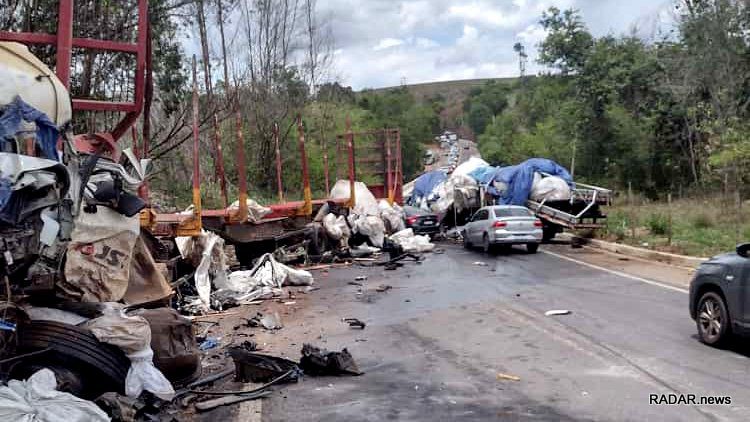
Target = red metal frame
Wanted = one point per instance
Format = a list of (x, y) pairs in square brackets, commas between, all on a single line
[(65, 43)]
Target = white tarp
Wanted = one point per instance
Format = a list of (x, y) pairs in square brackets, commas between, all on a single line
[(264, 281), (132, 334), (463, 185), (411, 242), (37, 400), (551, 188), (206, 252)]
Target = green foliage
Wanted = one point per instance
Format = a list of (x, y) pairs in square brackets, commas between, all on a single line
[(568, 41), (702, 221), (658, 224)]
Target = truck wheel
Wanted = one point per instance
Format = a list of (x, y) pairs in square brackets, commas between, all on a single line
[(532, 247), (712, 319), (548, 233)]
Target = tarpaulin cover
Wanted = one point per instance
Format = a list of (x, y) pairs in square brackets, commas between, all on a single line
[(13, 116), (518, 178), (425, 183)]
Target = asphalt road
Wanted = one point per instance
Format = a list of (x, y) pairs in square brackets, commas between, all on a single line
[(435, 344)]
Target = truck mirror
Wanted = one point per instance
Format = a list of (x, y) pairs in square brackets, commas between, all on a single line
[(743, 249)]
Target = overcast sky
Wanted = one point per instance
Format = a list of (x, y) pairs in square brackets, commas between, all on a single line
[(384, 42)]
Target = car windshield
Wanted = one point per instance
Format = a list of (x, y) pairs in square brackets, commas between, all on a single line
[(512, 212)]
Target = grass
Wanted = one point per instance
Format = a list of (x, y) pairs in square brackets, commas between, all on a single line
[(698, 227)]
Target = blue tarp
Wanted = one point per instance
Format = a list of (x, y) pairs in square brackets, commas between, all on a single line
[(425, 183), (518, 178), (46, 131)]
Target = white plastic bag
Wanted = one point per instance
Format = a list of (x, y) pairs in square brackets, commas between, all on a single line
[(551, 188), (37, 400), (392, 215), (411, 242), (365, 202), (132, 334)]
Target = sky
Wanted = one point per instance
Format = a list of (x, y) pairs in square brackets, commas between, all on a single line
[(380, 43)]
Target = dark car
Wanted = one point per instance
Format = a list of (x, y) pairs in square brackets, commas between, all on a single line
[(720, 296), (421, 221)]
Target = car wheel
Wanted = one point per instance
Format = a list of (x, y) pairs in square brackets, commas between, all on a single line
[(712, 319), (487, 247), (467, 244), (532, 247)]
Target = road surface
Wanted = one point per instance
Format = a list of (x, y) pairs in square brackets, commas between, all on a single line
[(438, 345)]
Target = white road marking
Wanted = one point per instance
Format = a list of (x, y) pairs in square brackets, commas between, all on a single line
[(618, 273)]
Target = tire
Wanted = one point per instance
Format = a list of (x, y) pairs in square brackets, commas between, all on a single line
[(467, 244), (532, 247), (712, 319), (548, 233), (487, 247)]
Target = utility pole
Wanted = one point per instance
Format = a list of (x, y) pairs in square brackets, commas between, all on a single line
[(520, 49)]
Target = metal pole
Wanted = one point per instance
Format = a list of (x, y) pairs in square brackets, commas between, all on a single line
[(352, 171), (307, 192), (241, 170), (64, 41), (399, 164), (196, 148), (280, 186), (388, 174), (148, 97), (220, 174)]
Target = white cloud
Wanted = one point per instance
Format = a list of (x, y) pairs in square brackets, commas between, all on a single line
[(426, 43), (483, 12), (386, 43), (532, 35)]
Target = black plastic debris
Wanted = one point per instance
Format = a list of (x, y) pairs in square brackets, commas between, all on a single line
[(318, 362), (255, 367), (355, 323)]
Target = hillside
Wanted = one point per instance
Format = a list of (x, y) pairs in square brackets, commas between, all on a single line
[(452, 94)]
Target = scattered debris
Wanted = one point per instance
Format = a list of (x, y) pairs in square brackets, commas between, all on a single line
[(119, 408), (354, 283), (255, 367), (501, 376), (557, 312), (360, 278), (291, 302), (318, 362), (227, 400), (383, 288), (354, 323), (480, 263), (208, 344)]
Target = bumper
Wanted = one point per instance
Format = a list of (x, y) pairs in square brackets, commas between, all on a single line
[(504, 237), (425, 229)]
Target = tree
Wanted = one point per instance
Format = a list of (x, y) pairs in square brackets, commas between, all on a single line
[(568, 41)]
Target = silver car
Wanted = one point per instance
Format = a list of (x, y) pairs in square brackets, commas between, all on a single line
[(503, 225)]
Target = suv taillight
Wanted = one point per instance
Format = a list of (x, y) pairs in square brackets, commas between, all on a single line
[(411, 220)]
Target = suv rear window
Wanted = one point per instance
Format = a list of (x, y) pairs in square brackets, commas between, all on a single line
[(512, 212)]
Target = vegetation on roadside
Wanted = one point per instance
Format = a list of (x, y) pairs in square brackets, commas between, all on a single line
[(698, 226)]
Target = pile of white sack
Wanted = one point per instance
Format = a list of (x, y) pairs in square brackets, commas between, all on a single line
[(369, 217), (411, 242)]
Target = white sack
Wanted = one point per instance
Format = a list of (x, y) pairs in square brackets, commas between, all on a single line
[(551, 188), (411, 242), (37, 400), (255, 211), (393, 215), (132, 334), (365, 202), (330, 224), (372, 227)]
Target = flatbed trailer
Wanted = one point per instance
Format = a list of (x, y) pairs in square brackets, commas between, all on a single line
[(581, 211)]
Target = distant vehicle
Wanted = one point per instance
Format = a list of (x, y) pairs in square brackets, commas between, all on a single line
[(720, 297), (421, 221), (506, 225)]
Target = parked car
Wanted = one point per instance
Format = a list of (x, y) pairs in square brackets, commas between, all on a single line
[(421, 221), (507, 225), (720, 296)]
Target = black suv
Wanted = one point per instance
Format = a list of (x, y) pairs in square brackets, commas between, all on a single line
[(720, 296)]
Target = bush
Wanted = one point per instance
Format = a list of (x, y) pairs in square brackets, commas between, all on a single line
[(702, 221), (658, 224)]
